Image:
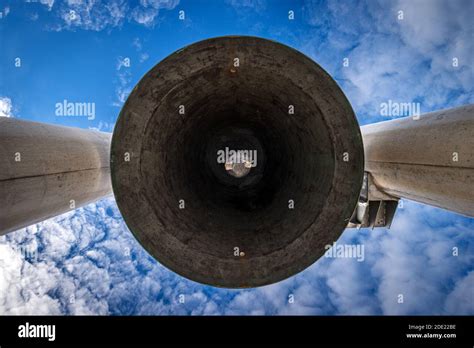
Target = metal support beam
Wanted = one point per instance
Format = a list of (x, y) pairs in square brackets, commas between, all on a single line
[(46, 170), (429, 159)]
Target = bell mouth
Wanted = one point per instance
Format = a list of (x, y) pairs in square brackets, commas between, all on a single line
[(247, 222)]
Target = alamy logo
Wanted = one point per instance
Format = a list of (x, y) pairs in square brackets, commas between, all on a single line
[(37, 331), (395, 109), (355, 251), (246, 157), (66, 108)]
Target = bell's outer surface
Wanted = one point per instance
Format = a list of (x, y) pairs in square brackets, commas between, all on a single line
[(193, 221)]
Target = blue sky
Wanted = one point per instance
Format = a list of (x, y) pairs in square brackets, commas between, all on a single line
[(87, 262)]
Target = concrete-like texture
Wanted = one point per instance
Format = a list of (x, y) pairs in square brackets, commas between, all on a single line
[(429, 160), (46, 170), (183, 206)]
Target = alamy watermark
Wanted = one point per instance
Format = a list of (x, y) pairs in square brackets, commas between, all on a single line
[(246, 157), (67, 108), (396, 109), (354, 251)]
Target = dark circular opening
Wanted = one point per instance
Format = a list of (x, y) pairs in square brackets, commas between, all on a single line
[(222, 212), (276, 106)]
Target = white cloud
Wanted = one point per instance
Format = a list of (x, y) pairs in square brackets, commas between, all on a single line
[(123, 87), (23, 287), (254, 5), (144, 57), (87, 262), (403, 60), (5, 12), (137, 44), (461, 299), (6, 107), (48, 3), (103, 127), (91, 15), (100, 15)]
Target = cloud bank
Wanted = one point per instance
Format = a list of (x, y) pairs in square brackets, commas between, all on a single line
[(99, 15), (407, 51), (87, 262), (6, 107)]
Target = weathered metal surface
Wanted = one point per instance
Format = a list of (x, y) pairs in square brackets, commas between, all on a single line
[(46, 170), (429, 159), (183, 206)]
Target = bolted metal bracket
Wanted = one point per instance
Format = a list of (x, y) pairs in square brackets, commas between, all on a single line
[(374, 207)]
